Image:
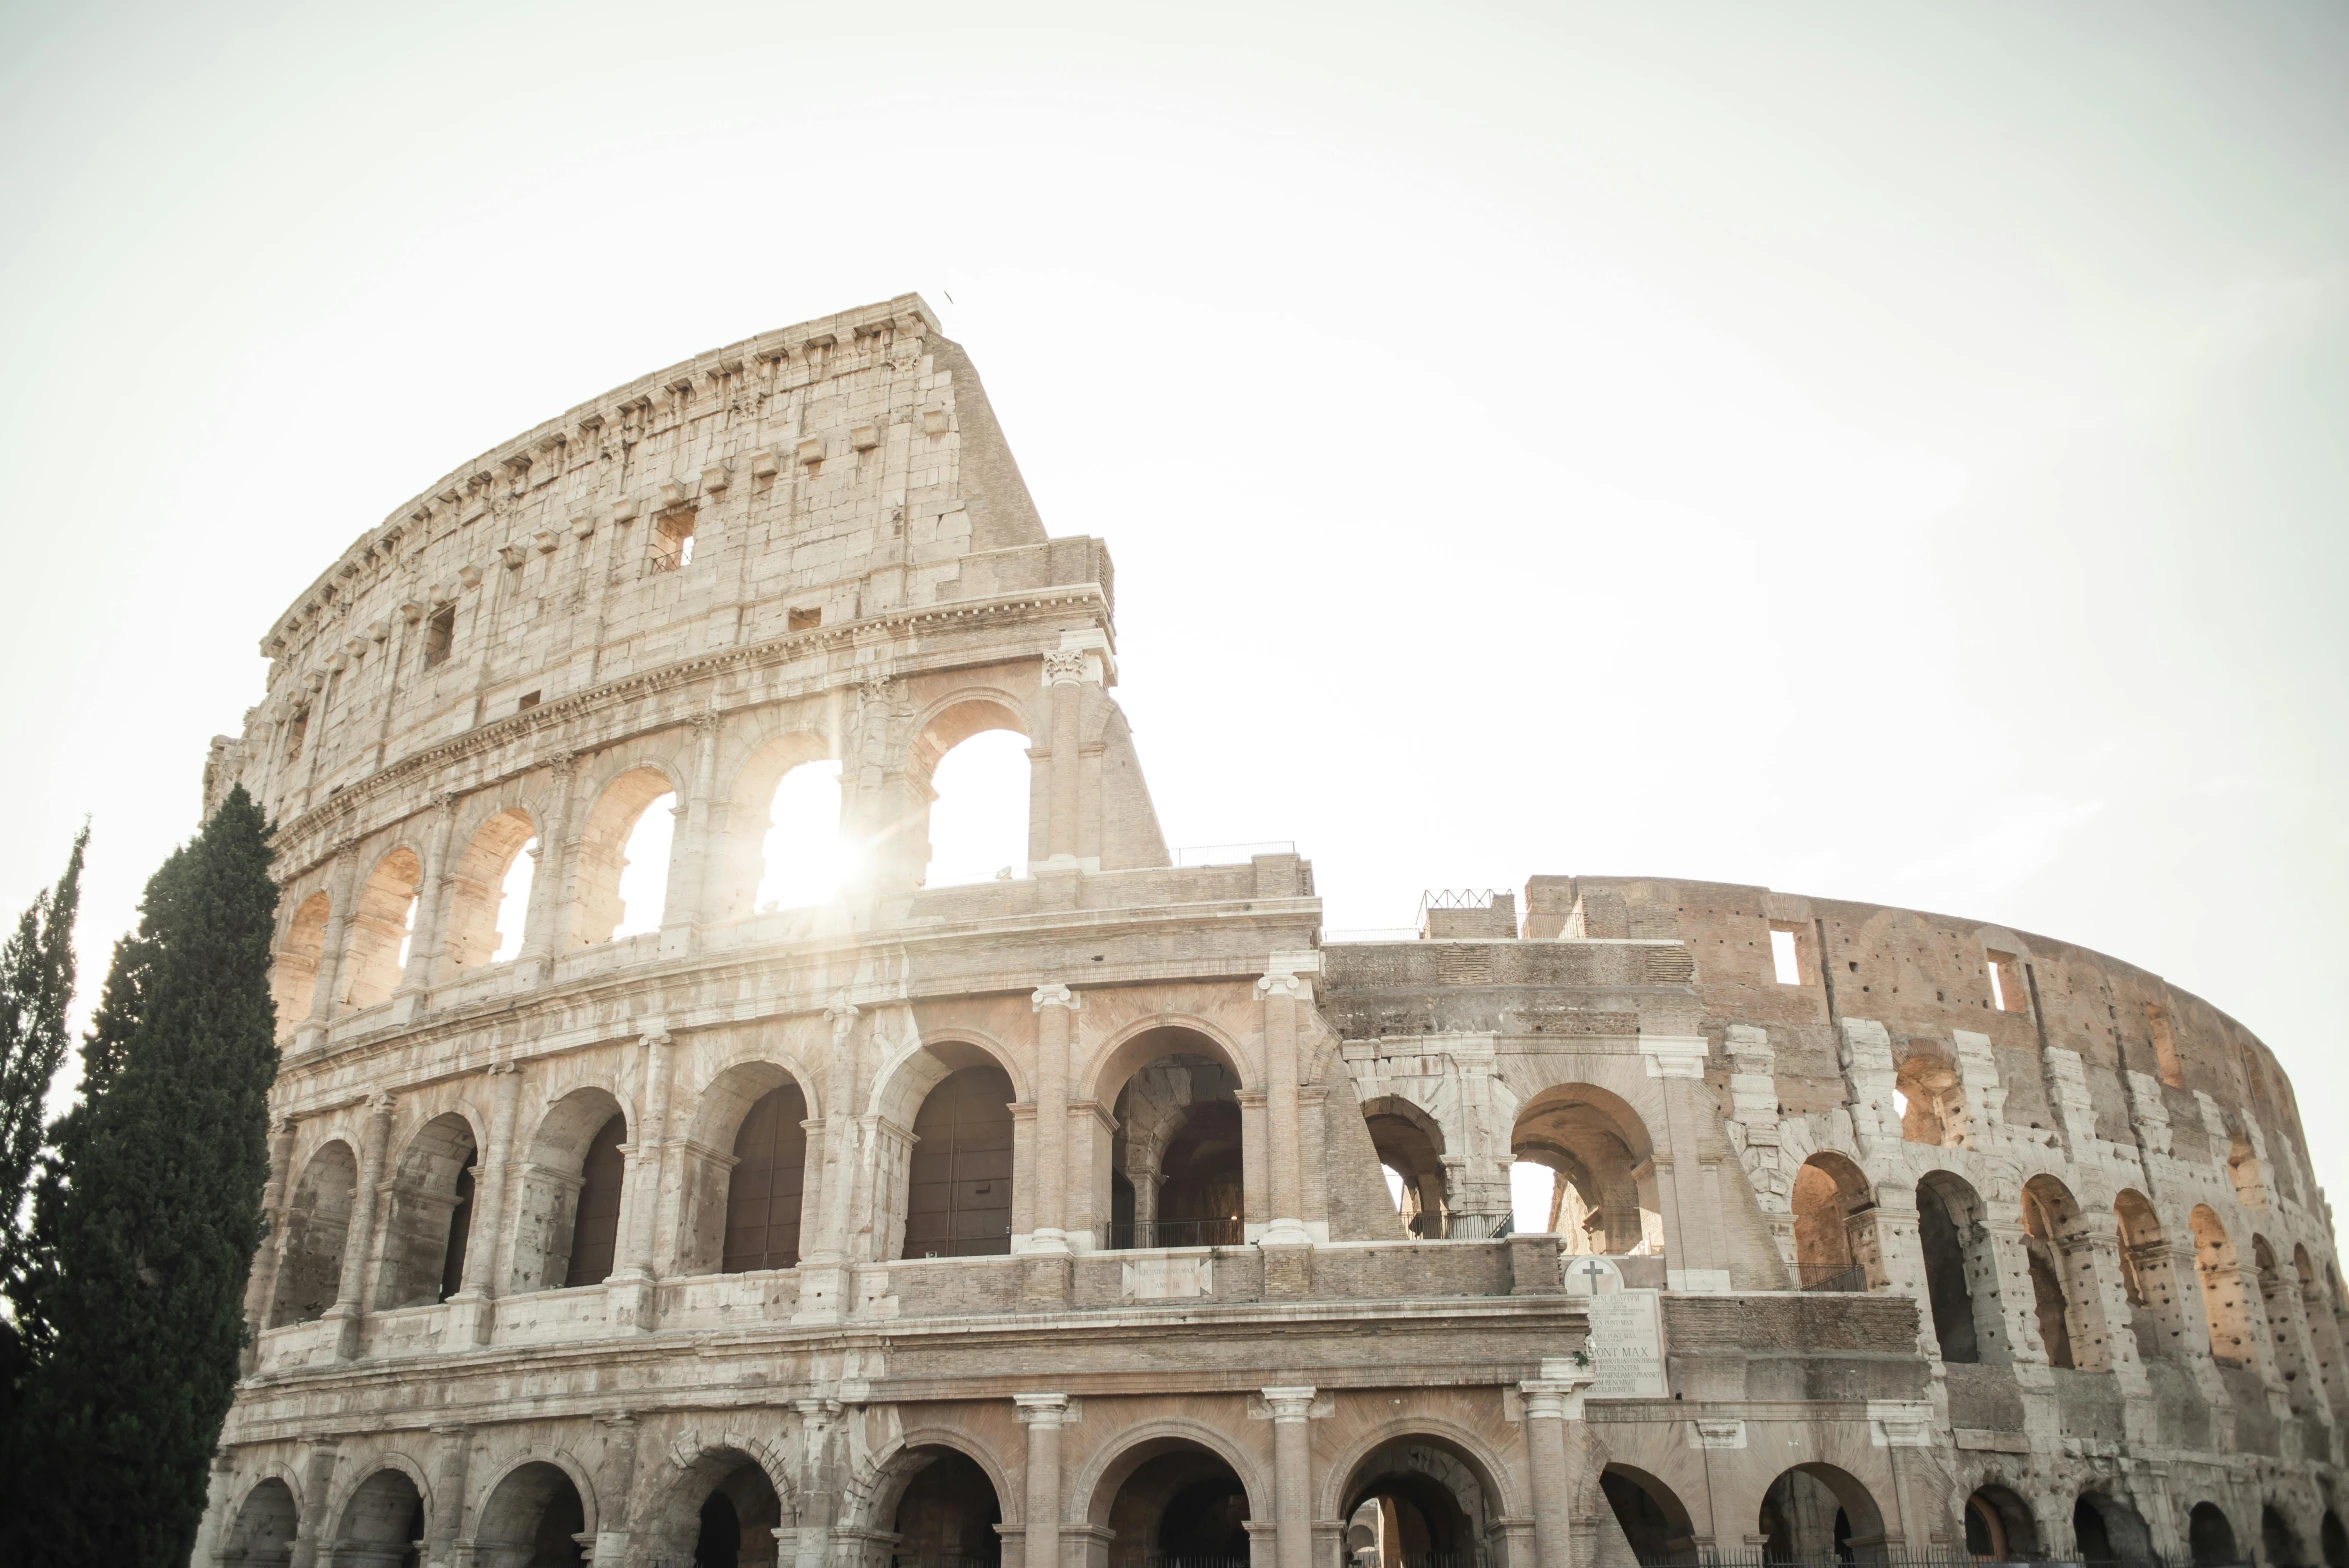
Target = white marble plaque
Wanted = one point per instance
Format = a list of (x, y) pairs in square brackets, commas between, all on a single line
[(1169, 1279), (1627, 1345)]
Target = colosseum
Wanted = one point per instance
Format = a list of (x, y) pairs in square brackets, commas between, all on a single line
[(1106, 1212)]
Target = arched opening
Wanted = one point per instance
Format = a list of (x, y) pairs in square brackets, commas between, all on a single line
[(431, 1215), (572, 1182), (1410, 1146), (723, 1512), (1961, 1276), (1930, 1101), (534, 1519), (979, 806), (1999, 1527), (381, 922), (2334, 1540), (293, 978), (1653, 1519), (947, 1515), (767, 1183), (776, 832), (2107, 1530), (958, 1179), (1178, 1144), (2147, 1279), (2210, 1538), (488, 893), (1603, 1185), (2279, 1543), (382, 1525), (623, 858), (2050, 1215), (1421, 1504), (1816, 1511), (318, 1223), (1172, 1503), (2324, 1332), (2222, 1288), (1834, 1226), (263, 1534)]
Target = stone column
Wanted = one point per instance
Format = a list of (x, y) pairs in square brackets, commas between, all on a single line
[(1551, 1402), (823, 1240), (1064, 674), (449, 1441), (261, 1284), (330, 953), (310, 1521), (1902, 1255), (1042, 1415), (470, 1312), (359, 1241), (427, 937), (1056, 1008), (818, 1497), (1142, 1155), (681, 912), (1292, 1465), (1282, 993), (632, 1296), (616, 1480), (1692, 1234), (550, 893)]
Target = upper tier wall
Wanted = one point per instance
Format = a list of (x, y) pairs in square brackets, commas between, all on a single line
[(829, 472), (1925, 976)]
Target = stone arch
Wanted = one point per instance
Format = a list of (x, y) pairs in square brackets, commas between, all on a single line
[(601, 851), (293, 975), (1394, 1462), (381, 915), (2065, 1299), (948, 722), (2333, 1540), (2106, 1528), (745, 1099), (1931, 1101), (2279, 1303), (877, 1497), (430, 1218), (1653, 1518), (540, 1499), (2223, 1293), (2148, 1279), (743, 813), (1172, 1471), (1173, 1092), (2324, 1330), (1603, 1197), (2000, 1526), (266, 1520), (1961, 1270), (317, 1227), (736, 1480), (572, 1182), (900, 1090), (475, 887), (959, 1162), (383, 1516), (1817, 1510), (1834, 1225), (2210, 1536), (1410, 1142)]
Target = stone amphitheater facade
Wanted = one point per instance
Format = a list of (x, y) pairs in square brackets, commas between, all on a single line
[(1054, 1220)]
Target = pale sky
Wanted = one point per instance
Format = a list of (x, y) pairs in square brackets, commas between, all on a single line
[(1879, 454)]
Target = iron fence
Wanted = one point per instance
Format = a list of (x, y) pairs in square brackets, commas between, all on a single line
[(1832, 1277), (961, 1247), (1174, 1233)]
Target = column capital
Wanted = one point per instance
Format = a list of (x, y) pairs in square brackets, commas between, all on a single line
[(653, 1038), (1044, 1409), (380, 1103), (1055, 995), (1294, 1403), (841, 1015)]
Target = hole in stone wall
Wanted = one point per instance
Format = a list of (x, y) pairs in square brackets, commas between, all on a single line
[(805, 620), (672, 542), (529, 700), (440, 635), (2006, 983), (514, 903), (2165, 1045), (979, 822), (1784, 956)]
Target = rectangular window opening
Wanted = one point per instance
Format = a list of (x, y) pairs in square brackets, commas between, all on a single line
[(294, 733), (805, 620), (1785, 956), (672, 542), (2006, 983), (529, 700), (2165, 1044), (440, 634)]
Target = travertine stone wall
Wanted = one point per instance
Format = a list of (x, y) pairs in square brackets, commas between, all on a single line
[(1886, 1250)]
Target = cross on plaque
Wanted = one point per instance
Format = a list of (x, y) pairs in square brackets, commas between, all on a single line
[(1594, 1271)]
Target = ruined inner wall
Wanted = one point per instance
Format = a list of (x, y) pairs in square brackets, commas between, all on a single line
[(1072, 1188)]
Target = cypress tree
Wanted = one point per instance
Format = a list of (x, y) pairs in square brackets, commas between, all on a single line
[(153, 1219), (36, 987)]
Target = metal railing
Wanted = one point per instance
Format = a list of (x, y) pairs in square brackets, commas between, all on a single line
[(1134, 1237), (1831, 1277), (1873, 1557), (962, 1247), (1177, 1560), (945, 1560)]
